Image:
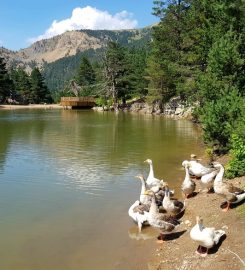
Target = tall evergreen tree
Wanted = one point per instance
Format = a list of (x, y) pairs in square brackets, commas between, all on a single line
[(85, 74), (136, 75), (165, 69), (39, 91), (22, 85), (86, 77), (6, 85), (220, 90), (114, 70)]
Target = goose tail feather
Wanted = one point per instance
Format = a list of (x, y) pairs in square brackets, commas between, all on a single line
[(218, 235)]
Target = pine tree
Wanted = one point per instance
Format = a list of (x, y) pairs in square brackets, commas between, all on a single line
[(114, 70), (39, 91), (220, 91), (22, 85), (6, 85), (165, 68), (136, 75), (85, 77)]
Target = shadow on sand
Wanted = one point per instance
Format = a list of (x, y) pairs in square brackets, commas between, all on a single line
[(215, 248), (171, 236)]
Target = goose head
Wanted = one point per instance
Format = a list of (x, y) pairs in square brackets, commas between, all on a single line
[(149, 161), (217, 165), (199, 222), (193, 156), (186, 164)]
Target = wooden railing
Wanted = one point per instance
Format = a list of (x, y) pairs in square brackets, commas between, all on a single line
[(78, 99), (76, 102)]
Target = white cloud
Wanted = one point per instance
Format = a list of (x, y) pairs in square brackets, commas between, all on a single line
[(89, 18), (1, 42)]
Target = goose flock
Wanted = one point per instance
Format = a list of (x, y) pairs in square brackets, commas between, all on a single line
[(156, 208)]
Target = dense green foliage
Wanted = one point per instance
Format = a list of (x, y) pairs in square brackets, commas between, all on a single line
[(118, 76), (236, 167), (115, 71), (22, 86), (198, 53), (5, 82), (16, 86), (56, 74), (39, 91)]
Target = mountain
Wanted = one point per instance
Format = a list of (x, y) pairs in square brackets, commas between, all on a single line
[(59, 56)]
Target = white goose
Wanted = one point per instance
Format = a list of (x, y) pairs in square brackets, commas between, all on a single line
[(163, 222), (151, 180), (144, 199), (232, 194), (139, 213), (196, 169), (188, 186), (174, 207), (208, 179), (206, 237)]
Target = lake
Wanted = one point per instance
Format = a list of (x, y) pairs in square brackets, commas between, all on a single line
[(67, 181)]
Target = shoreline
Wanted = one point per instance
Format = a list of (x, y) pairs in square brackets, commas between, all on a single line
[(179, 253), (30, 106)]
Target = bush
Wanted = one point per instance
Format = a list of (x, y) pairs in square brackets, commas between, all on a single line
[(220, 117), (236, 167)]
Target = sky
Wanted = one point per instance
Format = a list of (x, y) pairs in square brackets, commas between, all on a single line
[(23, 22)]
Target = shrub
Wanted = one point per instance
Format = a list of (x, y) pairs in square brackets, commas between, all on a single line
[(220, 117), (236, 166)]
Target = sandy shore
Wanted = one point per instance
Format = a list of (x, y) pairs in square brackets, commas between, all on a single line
[(30, 106)]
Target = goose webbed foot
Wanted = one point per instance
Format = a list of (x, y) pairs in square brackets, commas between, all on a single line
[(160, 239), (202, 251), (226, 208), (210, 190)]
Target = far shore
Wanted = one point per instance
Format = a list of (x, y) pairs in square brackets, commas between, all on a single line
[(30, 106)]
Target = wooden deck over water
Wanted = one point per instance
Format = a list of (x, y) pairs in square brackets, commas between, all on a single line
[(77, 102)]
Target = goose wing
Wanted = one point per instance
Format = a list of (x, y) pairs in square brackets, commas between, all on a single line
[(178, 204), (235, 190), (141, 208)]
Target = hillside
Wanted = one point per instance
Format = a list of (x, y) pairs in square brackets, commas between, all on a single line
[(59, 56)]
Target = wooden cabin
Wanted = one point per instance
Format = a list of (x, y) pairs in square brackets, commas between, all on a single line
[(77, 102)]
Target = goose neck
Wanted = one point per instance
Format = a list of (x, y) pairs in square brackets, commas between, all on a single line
[(187, 175), (153, 208), (143, 186), (219, 176), (151, 173)]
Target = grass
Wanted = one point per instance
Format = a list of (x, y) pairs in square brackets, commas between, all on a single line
[(241, 208)]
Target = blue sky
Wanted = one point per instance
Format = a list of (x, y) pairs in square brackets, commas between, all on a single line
[(25, 21)]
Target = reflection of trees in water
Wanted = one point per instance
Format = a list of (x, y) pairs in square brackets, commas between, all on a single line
[(87, 142), (5, 140), (16, 127), (121, 140)]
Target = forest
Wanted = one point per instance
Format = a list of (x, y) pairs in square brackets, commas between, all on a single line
[(196, 52)]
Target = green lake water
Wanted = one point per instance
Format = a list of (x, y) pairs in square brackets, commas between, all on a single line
[(67, 181)]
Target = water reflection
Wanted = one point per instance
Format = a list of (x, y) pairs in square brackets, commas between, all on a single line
[(146, 233), (67, 181)]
